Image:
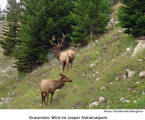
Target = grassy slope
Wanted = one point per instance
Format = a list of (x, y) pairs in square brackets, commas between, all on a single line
[(111, 59)]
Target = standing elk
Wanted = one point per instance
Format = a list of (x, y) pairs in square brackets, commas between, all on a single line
[(49, 86), (66, 56)]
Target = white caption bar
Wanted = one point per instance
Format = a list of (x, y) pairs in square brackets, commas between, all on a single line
[(116, 114)]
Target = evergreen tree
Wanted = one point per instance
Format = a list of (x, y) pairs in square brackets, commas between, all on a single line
[(114, 1), (132, 17), (9, 40), (2, 15), (90, 17), (40, 20)]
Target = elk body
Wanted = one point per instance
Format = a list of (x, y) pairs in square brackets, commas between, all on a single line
[(49, 86), (65, 57), (71, 55)]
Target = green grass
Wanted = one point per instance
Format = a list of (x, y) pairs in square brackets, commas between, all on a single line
[(111, 59)]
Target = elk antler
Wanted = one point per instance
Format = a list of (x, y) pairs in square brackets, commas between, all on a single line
[(58, 44), (51, 41), (63, 38)]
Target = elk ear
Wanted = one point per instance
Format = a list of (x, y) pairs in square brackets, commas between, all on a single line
[(62, 75)]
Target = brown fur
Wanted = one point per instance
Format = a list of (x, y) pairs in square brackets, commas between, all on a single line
[(62, 56), (65, 57), (49, 86), (71, 55)]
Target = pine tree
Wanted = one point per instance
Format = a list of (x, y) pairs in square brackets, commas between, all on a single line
[(114, 1), (2, 16), (90, 17), (9, 39), (40, 20), (132, 17)]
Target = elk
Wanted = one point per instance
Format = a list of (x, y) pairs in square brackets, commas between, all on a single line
[(66, 56), (49, 86)]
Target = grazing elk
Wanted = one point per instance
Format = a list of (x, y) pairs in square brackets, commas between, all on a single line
[(49, 86), (66, 56)]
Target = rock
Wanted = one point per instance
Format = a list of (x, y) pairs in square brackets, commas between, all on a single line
[(122, 100), (129, 89), (113, 60), (83, 74), (7, 69), (130, 73), (96, 41), (94, 75), (92, 65), (93, 104), (116, 37), (108, 106), (101, 99), (140, 60), (9, 94), (139, 98), (109, 25), (128, 49), (116, 22), (50, 57), (96, 103), (134, 91), (97, 72), (1, 103), (2, 99), (128, 101), (143, 92), (6, 100), (140, 46), (120, 31), (137, 82), (103, 88), (111, 83), (142, 74), (95, 62), (112, 20), (124, 76), (116, 78), (57, 90), (134, 101), (97, 79)]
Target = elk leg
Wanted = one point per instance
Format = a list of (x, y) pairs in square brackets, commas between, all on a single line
[(68, 66), (51, 98), (47, 94), (64, 63), (42, 97), (71, 65), (71, 62)]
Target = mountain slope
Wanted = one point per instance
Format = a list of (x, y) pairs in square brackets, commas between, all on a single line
[(100, 69)]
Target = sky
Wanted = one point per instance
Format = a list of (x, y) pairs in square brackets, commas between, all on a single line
[(3, 4)]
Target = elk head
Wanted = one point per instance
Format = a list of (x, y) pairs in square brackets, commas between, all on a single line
[(64, 78), (57, 47)]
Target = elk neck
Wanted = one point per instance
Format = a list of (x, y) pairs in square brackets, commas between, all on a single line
[(57, 52), (59, 84)]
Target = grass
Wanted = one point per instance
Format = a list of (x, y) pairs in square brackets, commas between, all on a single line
[(111, 61)]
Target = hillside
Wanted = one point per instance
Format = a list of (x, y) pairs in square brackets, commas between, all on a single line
[(100, 69)]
